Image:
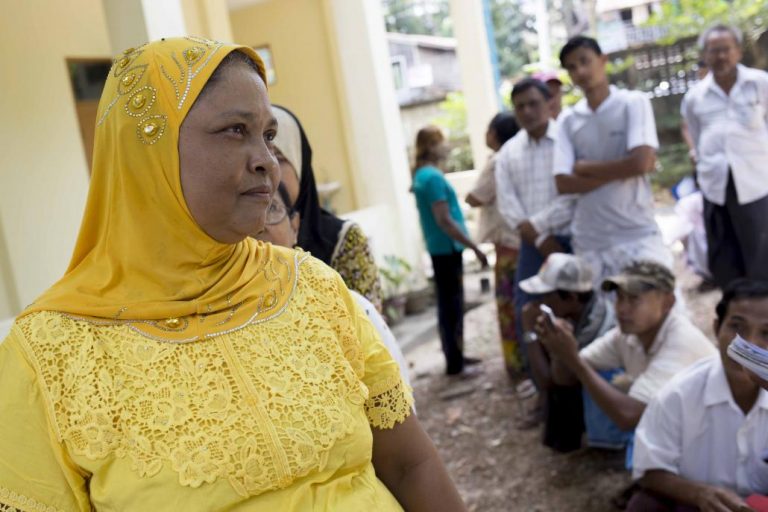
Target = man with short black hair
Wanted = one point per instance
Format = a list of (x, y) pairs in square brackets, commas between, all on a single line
[(727, 118), (606, 147), (525, 189), (651, 344), (702, 439)]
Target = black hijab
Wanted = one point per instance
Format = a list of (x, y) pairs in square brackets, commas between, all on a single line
[(320, 229)]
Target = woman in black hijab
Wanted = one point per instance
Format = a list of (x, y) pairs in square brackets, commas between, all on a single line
[(339, 243)]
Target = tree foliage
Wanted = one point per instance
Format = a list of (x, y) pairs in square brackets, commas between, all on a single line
[(685, 18), (509, 25), (425, 17)]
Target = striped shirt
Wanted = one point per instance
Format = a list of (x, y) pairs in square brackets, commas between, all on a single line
[(525, 186)]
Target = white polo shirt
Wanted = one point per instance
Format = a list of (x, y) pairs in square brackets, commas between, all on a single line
[(730, 130), (694, 429), (621, 211), (677, 345)]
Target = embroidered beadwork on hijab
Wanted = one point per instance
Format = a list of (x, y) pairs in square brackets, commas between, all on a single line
[(179, 363)]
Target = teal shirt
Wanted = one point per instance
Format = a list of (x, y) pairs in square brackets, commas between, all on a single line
[(430, 186)]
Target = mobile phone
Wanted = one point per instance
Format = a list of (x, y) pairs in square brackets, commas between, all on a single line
[(548, 313)]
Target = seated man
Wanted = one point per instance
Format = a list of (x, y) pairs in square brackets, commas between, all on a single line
[(702, 440), (652, 343), (564, 283)]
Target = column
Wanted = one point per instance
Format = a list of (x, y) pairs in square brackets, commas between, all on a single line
[(476, 69), (134, 22), (372, 128)]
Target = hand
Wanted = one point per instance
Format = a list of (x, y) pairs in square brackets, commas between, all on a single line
[(531, 313), (692, 156), (558, 339), (580, 168), (549, 246), (757, 380), (481, 257), (528, 233), (715, 499)]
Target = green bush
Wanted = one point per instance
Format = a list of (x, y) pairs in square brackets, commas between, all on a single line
[(674, 165)]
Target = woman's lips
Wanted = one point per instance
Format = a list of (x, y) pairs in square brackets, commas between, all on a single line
[(263, 192)]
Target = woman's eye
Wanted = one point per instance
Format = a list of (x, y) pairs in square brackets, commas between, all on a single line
[(238, 129), (270, 135)]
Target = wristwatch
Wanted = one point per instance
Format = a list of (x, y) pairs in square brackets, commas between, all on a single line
[(530, 337)]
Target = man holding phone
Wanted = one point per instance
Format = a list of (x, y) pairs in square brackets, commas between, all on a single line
[(651, 344), (563, 288)]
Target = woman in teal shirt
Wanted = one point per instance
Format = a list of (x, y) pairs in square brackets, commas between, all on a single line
[(445, 234)]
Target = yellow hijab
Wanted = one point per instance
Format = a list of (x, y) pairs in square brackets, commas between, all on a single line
[(140, 257)]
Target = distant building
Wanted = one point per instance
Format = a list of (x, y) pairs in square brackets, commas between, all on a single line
[(619, 23), (425, 69)]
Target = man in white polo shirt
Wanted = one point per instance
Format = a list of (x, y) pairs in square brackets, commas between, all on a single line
[(605, 149), (727, 118), (702, 440)]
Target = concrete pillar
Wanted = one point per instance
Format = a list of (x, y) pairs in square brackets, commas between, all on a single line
[(134, 22), (371, 116), (477, 78), (208, 18)]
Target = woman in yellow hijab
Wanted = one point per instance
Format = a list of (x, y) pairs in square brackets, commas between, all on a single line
[(179, 364)]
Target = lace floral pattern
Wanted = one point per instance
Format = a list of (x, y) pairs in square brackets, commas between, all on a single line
[(260, 406), (14, 502)]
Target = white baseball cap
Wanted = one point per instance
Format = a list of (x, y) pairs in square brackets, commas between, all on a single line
[(560, 271)]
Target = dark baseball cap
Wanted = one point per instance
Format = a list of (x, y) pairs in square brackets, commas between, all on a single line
[(640, 277)]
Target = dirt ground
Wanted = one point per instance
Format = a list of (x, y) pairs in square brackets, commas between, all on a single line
[(472, 421)]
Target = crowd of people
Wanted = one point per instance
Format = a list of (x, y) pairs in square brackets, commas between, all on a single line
[(217, 344), (587, 299)]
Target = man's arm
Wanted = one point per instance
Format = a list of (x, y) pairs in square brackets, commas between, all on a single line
[(446, 223), (641, 160), (556, 216), (624, 410), (573, 184), (509, 205), (687, 492)]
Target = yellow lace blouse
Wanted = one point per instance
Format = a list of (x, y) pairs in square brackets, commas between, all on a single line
[(275, 416)]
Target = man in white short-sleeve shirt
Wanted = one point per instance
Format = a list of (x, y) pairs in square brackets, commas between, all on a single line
[(652, 343), (605, 149), (703, 440), (727, 118)]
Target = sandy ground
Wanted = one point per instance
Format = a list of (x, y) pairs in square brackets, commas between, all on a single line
[(472, 421)]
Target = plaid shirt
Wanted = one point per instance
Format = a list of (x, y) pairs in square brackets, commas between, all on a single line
[(525, 185)]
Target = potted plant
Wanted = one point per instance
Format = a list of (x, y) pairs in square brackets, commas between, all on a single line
[(394, 273)]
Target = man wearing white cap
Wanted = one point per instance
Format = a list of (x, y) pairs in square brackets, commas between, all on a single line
[(564, 284)]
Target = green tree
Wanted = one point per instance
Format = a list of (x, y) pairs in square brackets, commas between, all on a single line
[(685, 18), (426, 17), (454, 121), (510, 23)]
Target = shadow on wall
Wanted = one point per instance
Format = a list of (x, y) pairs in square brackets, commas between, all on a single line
[(9, 295)]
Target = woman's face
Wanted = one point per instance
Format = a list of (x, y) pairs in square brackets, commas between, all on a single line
[(228, 170), (281, 228), (288, 176)]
